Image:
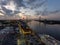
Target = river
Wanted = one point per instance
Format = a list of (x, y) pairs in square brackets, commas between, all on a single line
[(41, 28)]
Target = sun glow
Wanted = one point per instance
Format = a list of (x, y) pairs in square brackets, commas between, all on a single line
[(22, 16)]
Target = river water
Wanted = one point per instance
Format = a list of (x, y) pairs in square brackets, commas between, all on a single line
[(52, 30)]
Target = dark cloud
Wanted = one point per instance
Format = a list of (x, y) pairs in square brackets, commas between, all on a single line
[(56, 11), (9, 12), (4, 2), (29, 1), (19, 3), (29, 5), (52, 12), (6, 11), (34, 5)]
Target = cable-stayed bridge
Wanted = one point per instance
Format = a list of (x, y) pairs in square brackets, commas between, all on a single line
[(24, 35)]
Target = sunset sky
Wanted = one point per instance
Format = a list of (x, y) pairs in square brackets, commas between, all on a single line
[(31, 7)]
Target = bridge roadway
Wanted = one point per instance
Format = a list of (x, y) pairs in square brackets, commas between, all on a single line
[(26, 36), (28, 33)]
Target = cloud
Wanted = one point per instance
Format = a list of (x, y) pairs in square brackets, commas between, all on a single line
[(54, 16), (54, 12), (8, 7), (33, 4), (11, 7), (19, 3)]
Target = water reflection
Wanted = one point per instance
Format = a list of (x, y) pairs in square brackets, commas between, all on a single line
[(53, 30)]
